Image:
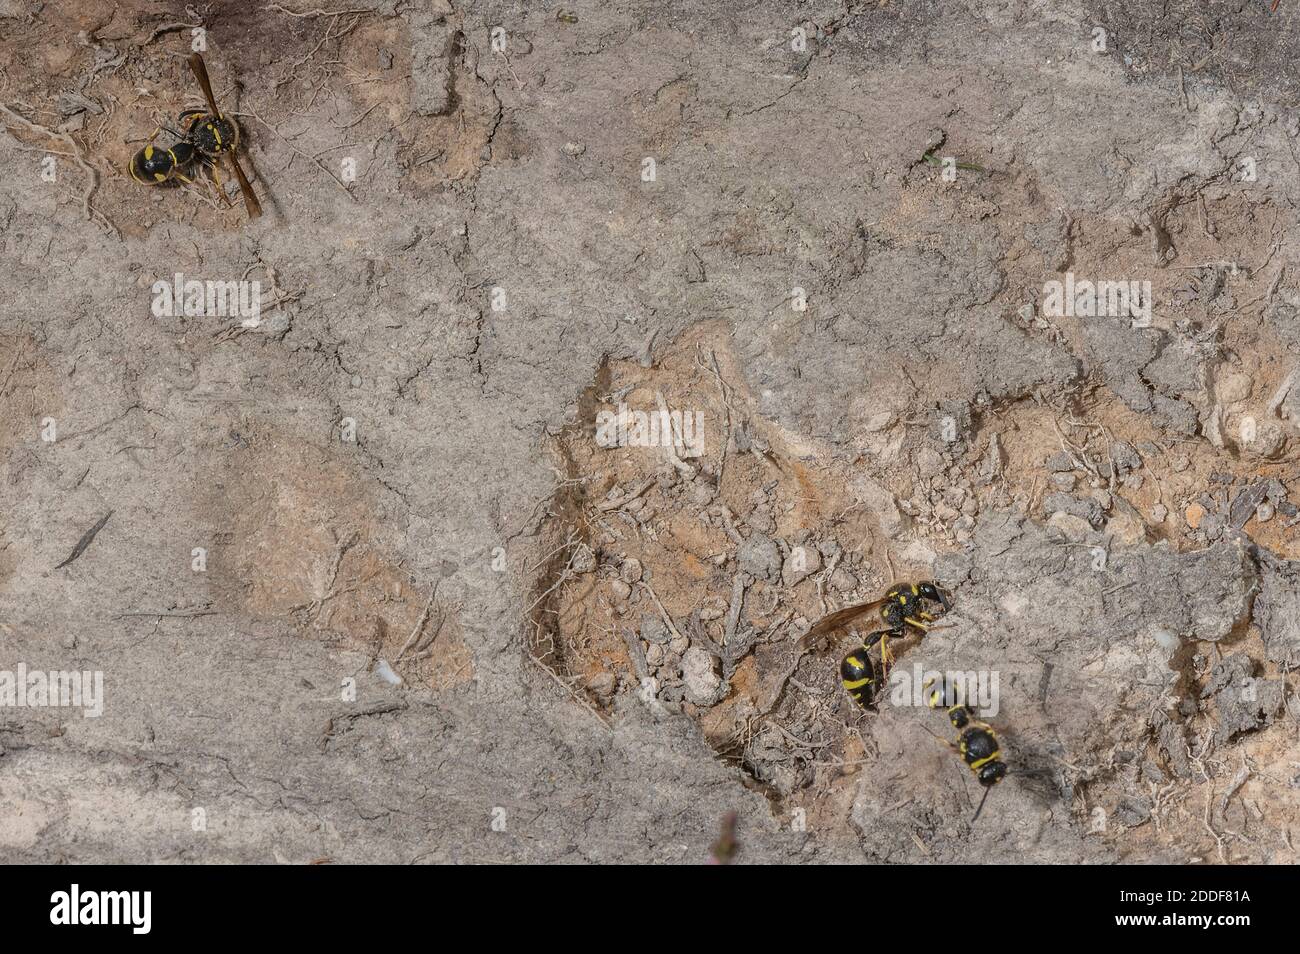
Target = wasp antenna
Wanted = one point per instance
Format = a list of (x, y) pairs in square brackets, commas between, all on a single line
[(981, 808), (936, 736)]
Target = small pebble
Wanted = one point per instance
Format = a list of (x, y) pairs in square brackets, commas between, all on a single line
[(759, 556), (702, 493), (603, 684), (1060, 462), (843, 581), (584, 560), (1234, 386), (1165, 639), (630, 571), (878, 422), (1062, 481), (653, 629), (928, 462), (699, 675), (801, 563)]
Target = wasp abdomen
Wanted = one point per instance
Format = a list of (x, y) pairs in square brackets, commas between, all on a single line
[(858, 676)]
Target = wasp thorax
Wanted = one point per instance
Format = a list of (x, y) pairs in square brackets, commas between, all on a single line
[(213, 135)]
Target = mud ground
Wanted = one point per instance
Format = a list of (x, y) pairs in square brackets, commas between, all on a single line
[(374, 586)]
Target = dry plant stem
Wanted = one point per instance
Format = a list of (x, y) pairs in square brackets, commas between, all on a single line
[(564, 575), (340, 552), (683, 468), (726, 400), (318, 12), (1218, 839), (668, 620), (620, 502), (78, 155), (170, 28), (316, 162), (737, 601), (570, 691)]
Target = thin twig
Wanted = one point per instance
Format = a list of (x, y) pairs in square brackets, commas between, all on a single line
[(314, 161), (85, 540), (668, 620), (419, 625), (618, 503), (78, 155)]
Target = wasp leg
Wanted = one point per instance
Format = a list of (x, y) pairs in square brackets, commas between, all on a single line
[(942, 741), (882, 636), (216, 180), (886, 657), (878, 635)]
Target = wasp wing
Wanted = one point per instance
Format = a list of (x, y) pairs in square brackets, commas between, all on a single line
[(200, 71), (246, 188), (841, 617)]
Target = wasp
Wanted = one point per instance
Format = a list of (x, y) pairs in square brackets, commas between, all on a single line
[(977, 743), (153, 165), (208, 137), (905, 606)]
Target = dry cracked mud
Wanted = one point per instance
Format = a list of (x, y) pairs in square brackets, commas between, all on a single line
[(402, 568)]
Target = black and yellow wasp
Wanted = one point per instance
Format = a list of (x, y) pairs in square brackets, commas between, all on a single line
[(208, 136), (977, 743), (905, 606)]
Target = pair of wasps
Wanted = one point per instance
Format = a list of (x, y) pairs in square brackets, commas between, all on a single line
[(209, 137), (904, 607)]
